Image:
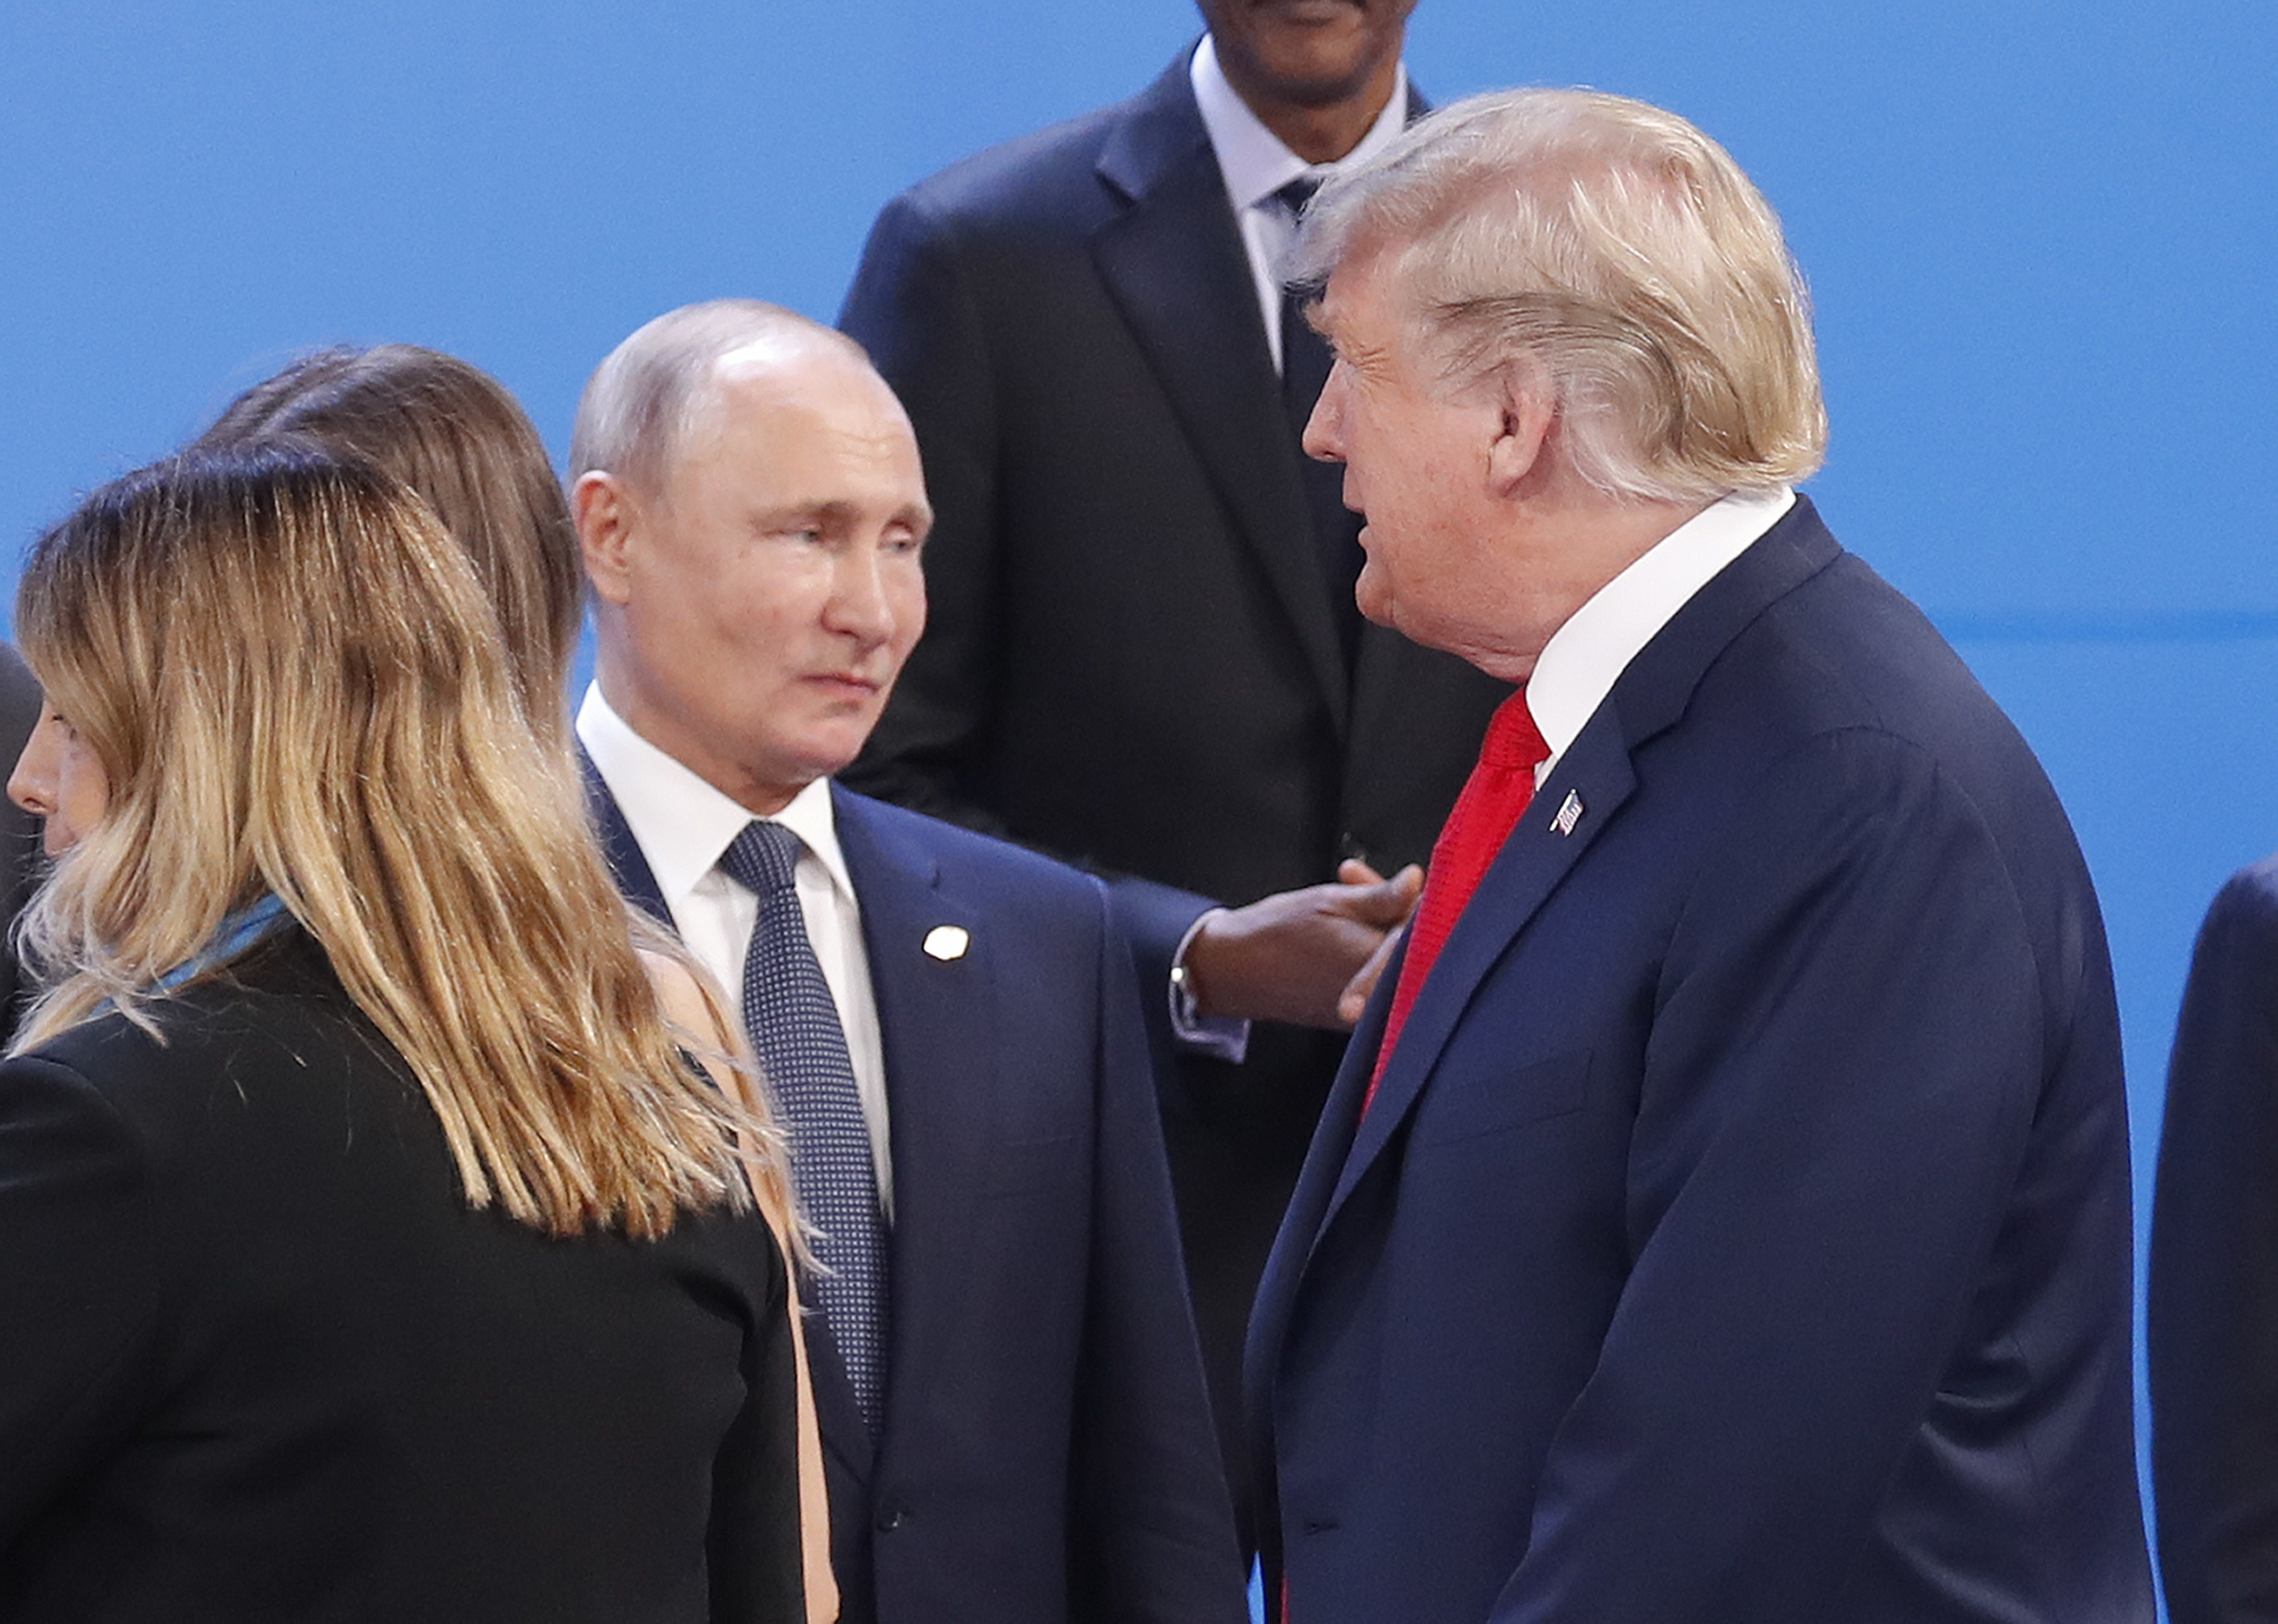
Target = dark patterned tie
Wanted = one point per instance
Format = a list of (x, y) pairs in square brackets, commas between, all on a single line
[(794, 1025), (1306, 362)]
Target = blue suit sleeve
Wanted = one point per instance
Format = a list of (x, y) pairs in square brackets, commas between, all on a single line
[(1846, 1062), (2213, 1294), (78, 1283), (1155, 1540)]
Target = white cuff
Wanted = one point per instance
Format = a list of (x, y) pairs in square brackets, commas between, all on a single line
[(1217, 1037)]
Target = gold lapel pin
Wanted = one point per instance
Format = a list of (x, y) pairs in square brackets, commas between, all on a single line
[(947, 942), (1569, 813)]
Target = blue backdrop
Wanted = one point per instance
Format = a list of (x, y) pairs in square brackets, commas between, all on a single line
[(2038, 236)]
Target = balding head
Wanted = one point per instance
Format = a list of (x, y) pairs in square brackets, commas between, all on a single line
[(646, 402)]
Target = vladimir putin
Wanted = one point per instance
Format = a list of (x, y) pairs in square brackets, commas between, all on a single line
[(1012, 1406)]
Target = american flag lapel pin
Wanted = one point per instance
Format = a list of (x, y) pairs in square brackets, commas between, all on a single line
[(1569, 813)]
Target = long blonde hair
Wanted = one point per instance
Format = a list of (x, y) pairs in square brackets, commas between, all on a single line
[(460, 440), (295, 686)]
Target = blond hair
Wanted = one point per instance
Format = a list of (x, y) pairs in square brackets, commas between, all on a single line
[(463, 445), (295, 686), (1619, 254)]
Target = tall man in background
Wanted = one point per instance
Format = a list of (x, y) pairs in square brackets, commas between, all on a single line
[(21, 868), (1014, 1422), (1144, 653), (1722, 1213)]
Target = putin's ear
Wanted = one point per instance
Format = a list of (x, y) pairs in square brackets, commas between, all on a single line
[(605, 515), (1522, 398)]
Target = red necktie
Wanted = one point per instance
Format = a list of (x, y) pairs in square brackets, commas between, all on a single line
[(1494, 798)]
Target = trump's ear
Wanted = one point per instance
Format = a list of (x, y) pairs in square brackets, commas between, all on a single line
[(605, 515), (1523, 400)]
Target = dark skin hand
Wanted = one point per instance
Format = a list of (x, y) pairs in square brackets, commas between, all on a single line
[(1310, 957)]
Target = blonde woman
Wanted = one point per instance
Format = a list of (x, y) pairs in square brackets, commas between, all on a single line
[(460, 441), (368, 1248)]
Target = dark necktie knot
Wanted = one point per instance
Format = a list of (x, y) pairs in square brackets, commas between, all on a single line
[(763, 858), (1298, 193)]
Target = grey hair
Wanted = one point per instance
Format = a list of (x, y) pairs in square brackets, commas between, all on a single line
[(644, 401), (1615, 252)]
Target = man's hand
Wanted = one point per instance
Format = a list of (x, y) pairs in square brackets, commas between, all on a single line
[(1311, 956)]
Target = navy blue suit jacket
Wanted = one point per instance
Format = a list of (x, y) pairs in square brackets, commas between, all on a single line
[(1740, 1231), (2214, 1271), (1046, 1453)]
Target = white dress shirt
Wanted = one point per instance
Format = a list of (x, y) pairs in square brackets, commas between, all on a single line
[(1256, 165), (683, 826), (1579, 665)]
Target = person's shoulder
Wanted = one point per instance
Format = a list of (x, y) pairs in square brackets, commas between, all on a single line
[(982, 865), (278, 1013), (2255, 887), (1841, 651), (2245, 910), (681, 995), (1041, 178), (1003, 174)]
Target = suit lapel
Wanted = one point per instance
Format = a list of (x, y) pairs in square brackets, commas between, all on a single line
[(628, 866), (936, 1016), (1174, 264), (1597, 772)]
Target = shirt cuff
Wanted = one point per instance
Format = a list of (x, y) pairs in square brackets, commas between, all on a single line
[(1217, 1037)]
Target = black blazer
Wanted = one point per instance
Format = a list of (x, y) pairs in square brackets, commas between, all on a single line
[(1044, 1456), (1132, 658), (1740, 1228), (260, 1361), (21, 863), (2214, 1312)]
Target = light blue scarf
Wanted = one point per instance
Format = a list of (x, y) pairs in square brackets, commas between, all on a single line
[(238, 932)]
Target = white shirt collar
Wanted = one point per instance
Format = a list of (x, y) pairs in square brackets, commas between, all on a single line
[(1585, 657), (1251, 156), (682, 822)]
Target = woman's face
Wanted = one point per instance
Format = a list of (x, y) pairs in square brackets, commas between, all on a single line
[(58, 778)]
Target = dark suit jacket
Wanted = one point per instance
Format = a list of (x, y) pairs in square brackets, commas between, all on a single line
[(1740, 1231), (1131, 658), (260, 1361), (21, 865), (1045, 1453), (2214, 1271)]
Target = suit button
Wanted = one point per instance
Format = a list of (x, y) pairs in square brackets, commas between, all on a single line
[(889, 1518)]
